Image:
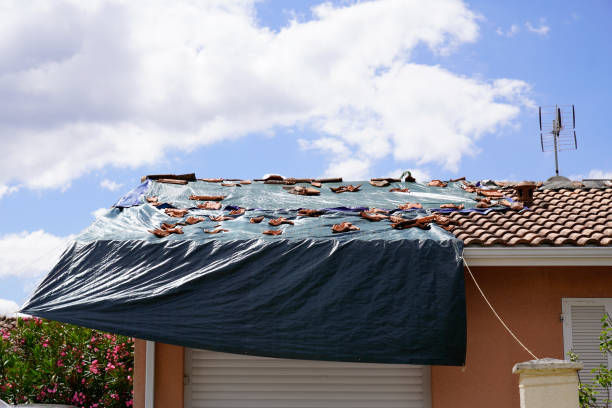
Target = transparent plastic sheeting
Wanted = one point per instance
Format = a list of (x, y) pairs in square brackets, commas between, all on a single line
[(374, 295), (272, 201)]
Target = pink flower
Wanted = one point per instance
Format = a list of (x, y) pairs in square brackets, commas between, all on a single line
[(94, 367), (60, 363), (129, 403)]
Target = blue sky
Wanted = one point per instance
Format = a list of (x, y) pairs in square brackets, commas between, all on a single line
[(238, 89)]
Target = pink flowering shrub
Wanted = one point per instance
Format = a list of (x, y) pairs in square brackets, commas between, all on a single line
[(43, 361)]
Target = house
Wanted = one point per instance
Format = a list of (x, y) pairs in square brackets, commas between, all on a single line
[(545, 266)]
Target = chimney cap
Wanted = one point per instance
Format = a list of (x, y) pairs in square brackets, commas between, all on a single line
[(524, 190)]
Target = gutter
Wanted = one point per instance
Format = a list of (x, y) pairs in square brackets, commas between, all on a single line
[(538, 256), (150, 375)]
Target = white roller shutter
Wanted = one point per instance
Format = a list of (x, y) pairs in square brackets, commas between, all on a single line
[(216, 380), (581, 330)]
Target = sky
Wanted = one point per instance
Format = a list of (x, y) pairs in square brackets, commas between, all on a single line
[(96, 94)]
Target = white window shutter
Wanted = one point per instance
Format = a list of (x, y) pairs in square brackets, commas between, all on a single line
[(222, 380), (582, 327)]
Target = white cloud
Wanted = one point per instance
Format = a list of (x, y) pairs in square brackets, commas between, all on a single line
[(514, 29), (7, 190), (100, 212), (599, 174), (30, 254), (349, 169), (326, 144), (542, 29), (115, 83), (110, 185), (593, 174), (8, 308)]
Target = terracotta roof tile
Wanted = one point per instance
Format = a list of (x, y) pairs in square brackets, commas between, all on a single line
[(575, 217), (599, 227), (471, 241), (562, 241), (517, 241), (586, 241), (514, 228), (493, 241)]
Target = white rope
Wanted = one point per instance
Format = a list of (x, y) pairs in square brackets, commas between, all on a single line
[(494, 312)]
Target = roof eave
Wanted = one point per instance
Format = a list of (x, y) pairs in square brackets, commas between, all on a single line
[(538, 256)]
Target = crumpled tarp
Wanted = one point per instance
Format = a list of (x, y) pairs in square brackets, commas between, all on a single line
[(134, 197), (373, 295), (272, 201)]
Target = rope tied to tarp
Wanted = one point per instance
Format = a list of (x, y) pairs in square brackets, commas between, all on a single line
[(493, 309)]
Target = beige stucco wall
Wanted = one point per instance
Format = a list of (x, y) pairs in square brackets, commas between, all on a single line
[(529, 300)]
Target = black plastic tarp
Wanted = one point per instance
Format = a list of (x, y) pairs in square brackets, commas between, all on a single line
[(376, 294), (399, 301)]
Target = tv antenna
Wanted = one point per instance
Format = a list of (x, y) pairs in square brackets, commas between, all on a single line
[(558, 130)]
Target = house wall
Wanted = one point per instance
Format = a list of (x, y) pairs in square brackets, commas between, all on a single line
[(529, 300), (169, 363)]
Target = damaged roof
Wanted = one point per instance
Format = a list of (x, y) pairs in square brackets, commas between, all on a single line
[(558, 212)]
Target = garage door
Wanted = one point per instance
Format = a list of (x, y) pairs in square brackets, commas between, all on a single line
[(230, 380)]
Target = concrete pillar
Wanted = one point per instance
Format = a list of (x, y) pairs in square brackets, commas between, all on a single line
[(548, 383)]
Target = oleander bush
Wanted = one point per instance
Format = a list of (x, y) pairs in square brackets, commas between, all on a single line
[(43, 361)]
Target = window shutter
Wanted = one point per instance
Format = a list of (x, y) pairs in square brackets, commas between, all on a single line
[(236, 381), (582, 327)]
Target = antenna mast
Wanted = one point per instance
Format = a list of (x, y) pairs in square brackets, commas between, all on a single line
[(561, 134)]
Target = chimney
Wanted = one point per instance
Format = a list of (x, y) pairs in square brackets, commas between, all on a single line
[(524, 191)]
